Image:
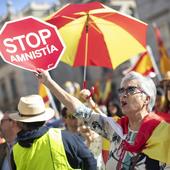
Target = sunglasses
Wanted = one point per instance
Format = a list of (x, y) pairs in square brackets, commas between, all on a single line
[(131, 90)]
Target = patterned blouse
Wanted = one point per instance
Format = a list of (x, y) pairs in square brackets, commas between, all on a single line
[(119, 159)]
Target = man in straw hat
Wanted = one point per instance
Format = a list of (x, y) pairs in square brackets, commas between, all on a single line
[(39, 147)]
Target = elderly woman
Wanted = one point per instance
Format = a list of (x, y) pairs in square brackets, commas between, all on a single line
[(131, 144)]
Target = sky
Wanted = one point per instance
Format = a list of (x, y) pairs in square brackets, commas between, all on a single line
[(19, 4)]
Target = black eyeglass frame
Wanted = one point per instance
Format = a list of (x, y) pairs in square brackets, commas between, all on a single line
[(131, 90)]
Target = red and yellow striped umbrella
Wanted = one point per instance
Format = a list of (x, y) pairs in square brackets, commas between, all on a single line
[(96, 35)]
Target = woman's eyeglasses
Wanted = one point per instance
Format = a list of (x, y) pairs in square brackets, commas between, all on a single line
[(131, 90)]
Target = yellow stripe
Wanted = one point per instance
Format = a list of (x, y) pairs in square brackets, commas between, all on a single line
[(158, 145), (121, 44), (42, 90), (105, 144), (71, 34)]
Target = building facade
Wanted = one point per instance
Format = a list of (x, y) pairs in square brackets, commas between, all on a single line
[(156, 12)]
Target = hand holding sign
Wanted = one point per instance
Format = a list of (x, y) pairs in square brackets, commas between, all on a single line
[(30, 44)]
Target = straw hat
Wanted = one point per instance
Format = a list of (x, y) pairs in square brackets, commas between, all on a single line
[(166, 77), (32, 109)]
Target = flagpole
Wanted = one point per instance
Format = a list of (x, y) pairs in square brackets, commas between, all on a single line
[(149, 50)]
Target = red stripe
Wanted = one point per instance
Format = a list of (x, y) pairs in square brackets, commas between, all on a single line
[(164, 116), (149, 123), (148, 71), (105, 155), (124, 121), (158, 36), (45, 99), (97, 50)]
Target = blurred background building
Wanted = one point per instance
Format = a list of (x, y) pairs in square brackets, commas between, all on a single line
[(158, 12), (15, 82)]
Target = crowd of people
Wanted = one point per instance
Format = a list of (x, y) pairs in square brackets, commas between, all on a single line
[(119, 135)]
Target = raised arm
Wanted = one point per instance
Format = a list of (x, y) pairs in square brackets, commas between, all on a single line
[(102, 125)]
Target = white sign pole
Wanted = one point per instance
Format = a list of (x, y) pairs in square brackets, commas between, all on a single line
[(154, 63)]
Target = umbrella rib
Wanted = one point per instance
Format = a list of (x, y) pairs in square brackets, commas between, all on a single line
[(104, 16), (95, 28), (68, 17)]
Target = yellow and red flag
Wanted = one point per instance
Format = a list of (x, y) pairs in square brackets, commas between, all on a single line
[(43, 92), (164, 59), (105, 149), (143, 65), (153, 137)]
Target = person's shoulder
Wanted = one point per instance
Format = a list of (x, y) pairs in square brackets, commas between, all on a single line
[(3, 147), (71, 136)]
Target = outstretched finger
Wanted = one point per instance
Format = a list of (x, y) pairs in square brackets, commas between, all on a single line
[(37, 74), (39, 70)]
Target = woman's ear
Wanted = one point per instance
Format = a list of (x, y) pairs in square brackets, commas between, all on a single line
[(147, 99)]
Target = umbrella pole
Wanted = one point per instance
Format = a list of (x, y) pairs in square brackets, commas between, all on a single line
[(84, 79), (85, 59), (85, 63)]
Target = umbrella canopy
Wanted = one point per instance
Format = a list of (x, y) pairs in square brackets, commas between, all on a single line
[(96, 35)]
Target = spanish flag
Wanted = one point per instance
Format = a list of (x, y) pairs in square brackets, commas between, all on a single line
[(105, 149), (164, 59), (153, 138), (43, 92), (143, 65)]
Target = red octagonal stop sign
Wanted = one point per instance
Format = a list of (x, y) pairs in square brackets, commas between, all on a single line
[(29, 43)]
